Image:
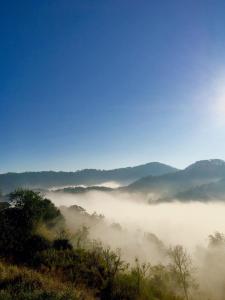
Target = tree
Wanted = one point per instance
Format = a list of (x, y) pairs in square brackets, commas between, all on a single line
[(216, 240), (81, 237), (181, 268), (140, 272), (113, 265), (35, 207), (19, 222)]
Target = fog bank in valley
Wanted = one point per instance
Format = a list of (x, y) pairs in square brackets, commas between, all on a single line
[(188, 224), (148, 231)]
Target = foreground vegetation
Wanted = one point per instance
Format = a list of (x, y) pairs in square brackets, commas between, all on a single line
[(41, 259)]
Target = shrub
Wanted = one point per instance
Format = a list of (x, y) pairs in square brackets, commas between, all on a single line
[(21, 283), (19, 225), (62, 244)]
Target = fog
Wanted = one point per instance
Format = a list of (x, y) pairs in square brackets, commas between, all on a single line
[(148, 230), (188, 224)]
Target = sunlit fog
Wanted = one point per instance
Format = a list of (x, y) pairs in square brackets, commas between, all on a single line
[(186, 223)]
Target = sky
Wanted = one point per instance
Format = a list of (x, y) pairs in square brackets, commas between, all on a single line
[(106, 84)]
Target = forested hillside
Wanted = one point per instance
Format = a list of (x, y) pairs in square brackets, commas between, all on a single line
[(44, 256)]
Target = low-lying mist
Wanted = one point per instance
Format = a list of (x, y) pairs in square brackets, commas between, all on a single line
[(147, 231), (188, 224)]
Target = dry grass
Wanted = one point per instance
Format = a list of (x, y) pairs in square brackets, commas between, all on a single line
[(20, 282)]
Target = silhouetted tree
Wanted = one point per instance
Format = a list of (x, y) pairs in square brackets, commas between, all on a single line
[(18, 224)]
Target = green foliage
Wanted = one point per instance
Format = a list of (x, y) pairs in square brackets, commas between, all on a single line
[(35, 207), (107, 275), (61, 268), (144, 282), (62, 244), (15, 230), (96, 268), (19, 222), (23, 284), (81, 237)]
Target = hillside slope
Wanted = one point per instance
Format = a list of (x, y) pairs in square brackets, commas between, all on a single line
[(169, 185), (207, 192), (48, 179)]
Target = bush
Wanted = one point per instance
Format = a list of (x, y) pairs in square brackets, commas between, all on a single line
[(62, 244), (96, 268), (27, 232), (19, 225), (21, 283)]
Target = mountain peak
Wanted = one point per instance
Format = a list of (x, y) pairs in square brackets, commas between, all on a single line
[(205, 164)]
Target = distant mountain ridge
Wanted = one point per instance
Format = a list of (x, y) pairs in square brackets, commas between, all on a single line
[(201, 181), (81, 190), (170, 185), (48, 179), (209, 167)]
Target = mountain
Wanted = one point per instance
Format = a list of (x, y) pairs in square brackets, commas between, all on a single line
[(207, 168), (207, 192), (49, 179), (81, 189), (169, 185)]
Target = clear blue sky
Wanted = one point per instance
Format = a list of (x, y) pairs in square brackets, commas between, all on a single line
[(111, 83)]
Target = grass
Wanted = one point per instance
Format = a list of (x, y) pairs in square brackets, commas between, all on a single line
[(21, 283)]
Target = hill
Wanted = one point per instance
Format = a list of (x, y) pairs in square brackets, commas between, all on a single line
[(169, 185), (81, 189), (207, 192), (49, 179)]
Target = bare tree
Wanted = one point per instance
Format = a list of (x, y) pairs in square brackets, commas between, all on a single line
[(181, 268), (141, 272)]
